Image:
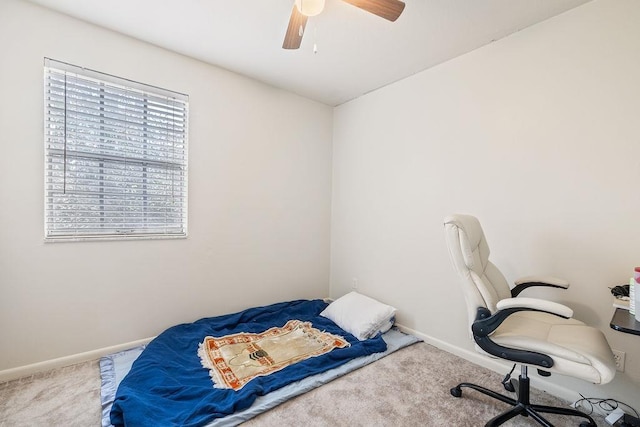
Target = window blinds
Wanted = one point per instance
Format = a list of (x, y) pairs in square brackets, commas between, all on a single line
[(115, 156)]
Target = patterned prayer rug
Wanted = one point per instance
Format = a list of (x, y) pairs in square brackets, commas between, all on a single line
[(234, 360)]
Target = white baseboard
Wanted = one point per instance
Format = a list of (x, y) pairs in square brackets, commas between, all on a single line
[(496, 365), (27, 370)]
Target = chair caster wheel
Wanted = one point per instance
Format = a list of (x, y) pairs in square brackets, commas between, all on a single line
[(456, 392), (587, 424), (509, 387)]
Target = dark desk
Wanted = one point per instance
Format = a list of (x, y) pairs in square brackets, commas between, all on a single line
[(624, 321)]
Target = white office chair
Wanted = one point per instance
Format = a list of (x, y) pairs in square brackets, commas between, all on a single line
[(528, 331)]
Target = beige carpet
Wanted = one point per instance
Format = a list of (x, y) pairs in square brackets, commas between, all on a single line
[(407, 388), (63, 397)]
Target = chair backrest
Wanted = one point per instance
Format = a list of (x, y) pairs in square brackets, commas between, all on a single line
[(482, 283)]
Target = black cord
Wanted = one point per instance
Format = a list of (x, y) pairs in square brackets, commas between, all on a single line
[(607, 405), (508, 376), (506, 383)]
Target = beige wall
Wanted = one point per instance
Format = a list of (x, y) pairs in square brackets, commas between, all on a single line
[(259, 200), (538, 135)]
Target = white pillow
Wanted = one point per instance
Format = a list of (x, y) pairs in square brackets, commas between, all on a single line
[(386, 325), (360, 315)]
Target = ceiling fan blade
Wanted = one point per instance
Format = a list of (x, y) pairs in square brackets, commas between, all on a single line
[(295, 30), (387, 9)]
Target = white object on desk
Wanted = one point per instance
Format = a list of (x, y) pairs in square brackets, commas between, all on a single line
[(632, 294), (636, 286)]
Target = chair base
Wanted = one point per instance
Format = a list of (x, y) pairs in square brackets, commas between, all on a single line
[(521, 405)]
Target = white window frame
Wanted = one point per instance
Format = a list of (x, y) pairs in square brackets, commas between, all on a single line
[(115, 157)]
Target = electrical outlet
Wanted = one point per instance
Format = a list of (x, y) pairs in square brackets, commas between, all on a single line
[(619, 358), (354, 284)]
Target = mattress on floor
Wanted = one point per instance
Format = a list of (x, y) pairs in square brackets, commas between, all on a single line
[(114, 367)]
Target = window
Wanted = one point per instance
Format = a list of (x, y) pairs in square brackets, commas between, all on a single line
[(115, 157)]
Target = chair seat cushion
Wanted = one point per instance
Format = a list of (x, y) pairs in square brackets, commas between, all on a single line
[(577, 350)]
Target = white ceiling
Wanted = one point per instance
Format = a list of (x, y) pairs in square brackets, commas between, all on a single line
[(357, 52)]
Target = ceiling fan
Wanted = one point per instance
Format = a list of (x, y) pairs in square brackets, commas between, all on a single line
[(302, 9)]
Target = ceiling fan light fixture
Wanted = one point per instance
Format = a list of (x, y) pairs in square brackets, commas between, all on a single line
[(310, 7), (302, 9)]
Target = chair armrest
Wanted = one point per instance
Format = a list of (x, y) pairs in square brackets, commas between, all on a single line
[(486, 323), (529, 281), (536, 305)]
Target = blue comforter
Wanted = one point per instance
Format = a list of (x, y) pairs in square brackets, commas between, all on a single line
[(167, 385)]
